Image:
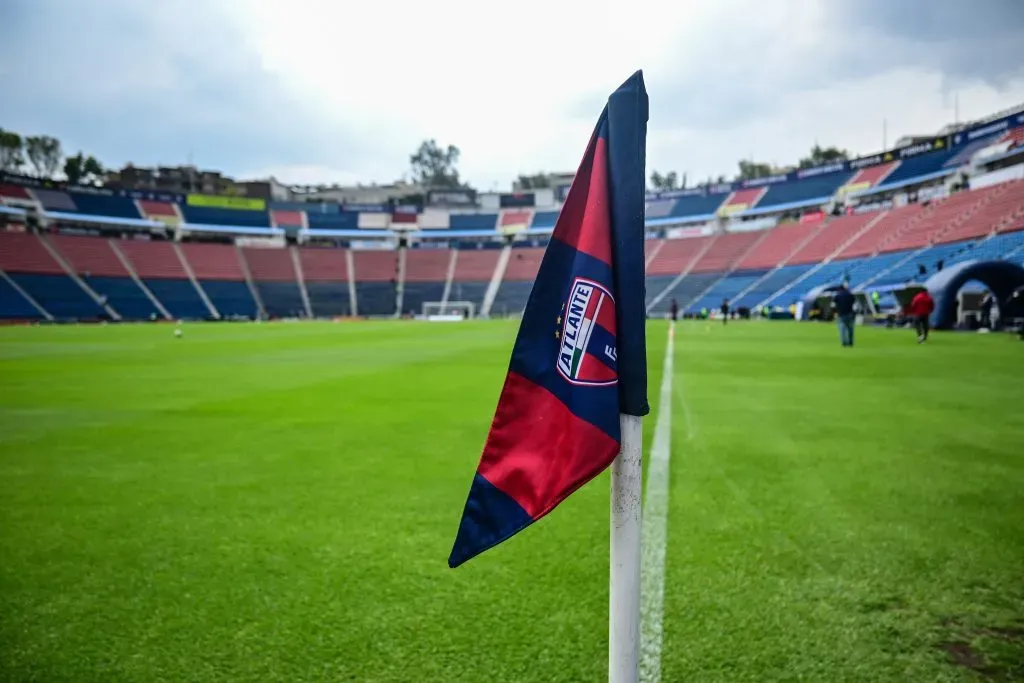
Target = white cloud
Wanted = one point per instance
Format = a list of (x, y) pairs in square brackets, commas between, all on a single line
[(321, 91)]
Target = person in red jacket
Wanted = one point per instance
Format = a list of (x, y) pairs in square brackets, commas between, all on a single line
[(921, 307)]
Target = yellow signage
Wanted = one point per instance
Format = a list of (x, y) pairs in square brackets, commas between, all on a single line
[(215, 202)]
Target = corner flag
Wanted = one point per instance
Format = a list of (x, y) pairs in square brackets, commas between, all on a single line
[(580, 359)]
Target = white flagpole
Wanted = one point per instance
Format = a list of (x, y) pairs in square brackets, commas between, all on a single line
[(624, 578)]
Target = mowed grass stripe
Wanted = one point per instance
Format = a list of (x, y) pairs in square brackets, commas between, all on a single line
[(276, 502)]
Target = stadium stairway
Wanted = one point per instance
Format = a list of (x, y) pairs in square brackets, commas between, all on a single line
[(497, 277), (74, 277), (676, 256), (217, 271), (160, 270), (426, 272), (515, 287), (98, 264), (775, 253), (271, 271), (326, 276), (17, 304), (375, 273), (472, 274), (848, 230)]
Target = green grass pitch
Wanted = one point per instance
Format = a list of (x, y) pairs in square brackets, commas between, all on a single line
[(276, 502)]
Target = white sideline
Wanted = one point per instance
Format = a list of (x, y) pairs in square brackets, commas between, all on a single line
[(655, 518)]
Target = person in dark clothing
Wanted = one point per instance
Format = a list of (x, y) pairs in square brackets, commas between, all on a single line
[(674, 309), (843, 301), (921, 307), (987, 301), (725, 311)]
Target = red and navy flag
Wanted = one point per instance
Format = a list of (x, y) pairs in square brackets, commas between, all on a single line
[(580, 358)]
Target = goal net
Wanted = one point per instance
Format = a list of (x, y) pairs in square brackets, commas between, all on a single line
[(448, 310)]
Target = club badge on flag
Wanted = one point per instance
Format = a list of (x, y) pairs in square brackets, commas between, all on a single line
[(556, 426), (590, 310)]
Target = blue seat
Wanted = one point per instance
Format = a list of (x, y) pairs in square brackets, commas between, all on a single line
[(98, 205), (796, 191), (281, 299), (179, 297), (473, 221), (375, 298), (468, 290), (771, 284), (231, 298), (344, 220), (416, 293), (511, 298), (60, 295), (697, 205), (328, 299), (544, 219), (685, 291), (236, 217), (124, 296), (13, 306)]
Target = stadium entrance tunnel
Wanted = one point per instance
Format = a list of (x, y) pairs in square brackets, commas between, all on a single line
[(1002, 278)]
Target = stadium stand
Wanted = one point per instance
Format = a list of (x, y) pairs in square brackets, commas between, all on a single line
[(101, 205), (888, 222), (95, 262), (425, 273), (219, 273), (869, 177), (325, 272), (474, 221), (375, 273), (160, 269), (836, 232), (918, 167), (54, 199), (778, 245), (207, 215), (273, 275), (726, 251), (165, 212), (544, 220), (515, 220), (14, 192), (697, 206), (13, 306), (472, 275), (280, 218), (515, 288), (796, 193), (342, 220), (27, 262), (741, 200)]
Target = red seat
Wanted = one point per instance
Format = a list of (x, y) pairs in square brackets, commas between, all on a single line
[(323, 265)]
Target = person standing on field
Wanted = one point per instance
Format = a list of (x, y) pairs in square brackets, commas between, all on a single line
[(921, 307), (725, 311), (843, 301)]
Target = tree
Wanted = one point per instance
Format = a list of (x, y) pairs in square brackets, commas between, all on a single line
[(820, 156), (12, 147), (81, 169), (94, 170), (44, 154), (537, 181), (434, 167), (666, 182), (753, 169)]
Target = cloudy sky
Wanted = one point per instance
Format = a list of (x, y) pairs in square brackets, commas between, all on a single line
[(333, 91)]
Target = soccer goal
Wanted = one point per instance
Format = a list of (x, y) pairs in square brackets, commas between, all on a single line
[(443, 311)]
